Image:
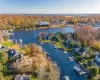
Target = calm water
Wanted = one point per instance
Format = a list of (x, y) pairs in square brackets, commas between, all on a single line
[(57, 55)]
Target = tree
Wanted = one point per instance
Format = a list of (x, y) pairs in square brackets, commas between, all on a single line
[(48, 72), (4, 70), (3, 57), (53, 72), (1, 76), (35, 49), (1, 67), (85, 43), (94, 70)]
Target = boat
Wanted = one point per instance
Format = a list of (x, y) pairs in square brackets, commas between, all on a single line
[(70, 58), (20, 41), (47, 54), (55, 47), (65, 52), (66, 78), (79, 71), (41, 42)]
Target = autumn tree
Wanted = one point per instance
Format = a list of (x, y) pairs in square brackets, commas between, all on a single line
[(35, 49)]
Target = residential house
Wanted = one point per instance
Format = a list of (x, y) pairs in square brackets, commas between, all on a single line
[(23, 77), (68, 43), (77, 46), (23, 61), (62, 22), (97, 58), (13, 54), (82, 51), (9, 67), (43, 24), (20, 60)]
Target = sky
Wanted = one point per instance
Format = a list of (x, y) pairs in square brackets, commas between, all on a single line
[(50, 6)]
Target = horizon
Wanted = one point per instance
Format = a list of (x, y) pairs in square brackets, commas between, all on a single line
[(50, 7)]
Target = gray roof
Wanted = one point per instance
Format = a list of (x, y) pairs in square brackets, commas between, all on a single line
[(43, 23), (23, 77)]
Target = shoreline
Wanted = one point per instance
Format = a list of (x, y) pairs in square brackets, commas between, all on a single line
[(51, 26)]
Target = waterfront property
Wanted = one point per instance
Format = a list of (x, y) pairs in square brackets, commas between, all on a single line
[(23, 77), (82, 51), (43, 24), (83, 55), (55, 54), (68, 43), (19, 60), (23, 61), (13, 54)]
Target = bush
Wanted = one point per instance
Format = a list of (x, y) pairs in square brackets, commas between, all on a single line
[(93, 71)]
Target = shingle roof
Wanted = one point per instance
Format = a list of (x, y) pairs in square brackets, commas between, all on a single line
[(23, 77)]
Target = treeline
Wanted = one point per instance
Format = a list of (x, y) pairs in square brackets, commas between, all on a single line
[(89, 36), (30, 21), (23, 21), (41, 68)]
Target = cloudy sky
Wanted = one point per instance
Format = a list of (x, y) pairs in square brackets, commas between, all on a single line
[(49, 6)]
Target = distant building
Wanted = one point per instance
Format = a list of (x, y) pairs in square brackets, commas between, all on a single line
[(43, 24), (62, 22), (23, 77)]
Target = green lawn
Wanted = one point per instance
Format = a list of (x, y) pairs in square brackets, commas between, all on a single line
[(46, 41), (9, 77), (34, 79), (59, 45), (8, 44)]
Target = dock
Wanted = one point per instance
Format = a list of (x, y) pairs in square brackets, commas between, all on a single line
[(79, 71)]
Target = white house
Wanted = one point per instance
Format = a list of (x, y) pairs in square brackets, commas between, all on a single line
[(43, 23)]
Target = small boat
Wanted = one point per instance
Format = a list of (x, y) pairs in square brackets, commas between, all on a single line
[(55, 47), (70, 58), (66, 78), (20, 41), (47, 54), (41, 42), (65, 52)]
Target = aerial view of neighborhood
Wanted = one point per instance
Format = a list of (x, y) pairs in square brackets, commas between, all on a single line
[(50, 40)]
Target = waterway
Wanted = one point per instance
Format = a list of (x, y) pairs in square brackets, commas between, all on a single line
[(56, 55)]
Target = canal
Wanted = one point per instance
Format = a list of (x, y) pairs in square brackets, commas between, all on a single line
[(57, 55)]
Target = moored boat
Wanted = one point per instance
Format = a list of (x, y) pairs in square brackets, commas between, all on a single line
[(66, 78), (79, 71), (70, 58), (65, 52)]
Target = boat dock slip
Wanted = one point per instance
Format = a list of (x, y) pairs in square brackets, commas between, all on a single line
[(79, 71)]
